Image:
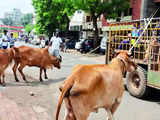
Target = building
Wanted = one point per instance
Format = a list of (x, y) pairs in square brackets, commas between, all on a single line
[(15, 16), (139, 9), (144, 8), (82, 22), (77, 21)]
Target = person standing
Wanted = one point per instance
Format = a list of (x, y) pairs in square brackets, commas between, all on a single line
[(55, 43), (5, 40), (11, 40)]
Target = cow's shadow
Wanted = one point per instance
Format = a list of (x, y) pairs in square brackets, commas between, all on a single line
[(34, 82), (47, 81)]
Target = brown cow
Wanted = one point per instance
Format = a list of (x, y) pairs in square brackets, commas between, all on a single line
[(6, 57), (90, 87), (38, 57)]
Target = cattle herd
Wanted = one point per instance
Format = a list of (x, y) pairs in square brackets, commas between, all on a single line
[(85, 90)]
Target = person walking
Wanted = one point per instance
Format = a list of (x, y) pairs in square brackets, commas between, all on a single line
[(5, 40), (55, 43), (12, 40)]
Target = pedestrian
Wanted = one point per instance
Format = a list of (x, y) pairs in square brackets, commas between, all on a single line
[(5, 40), (55, 43), (12, 40), (125, 44)]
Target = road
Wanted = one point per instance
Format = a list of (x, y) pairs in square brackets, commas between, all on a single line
[(44, 102)]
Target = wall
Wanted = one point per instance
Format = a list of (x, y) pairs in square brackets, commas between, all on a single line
[(136, 12)]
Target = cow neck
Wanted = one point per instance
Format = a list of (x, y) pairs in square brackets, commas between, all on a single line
[(124, 64)]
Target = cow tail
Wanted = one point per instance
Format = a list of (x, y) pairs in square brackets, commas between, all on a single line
[(64, 93)]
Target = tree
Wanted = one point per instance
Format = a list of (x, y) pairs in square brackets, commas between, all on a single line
[(28, 28), (110, 8), (27, 19), (7, 21), (52, 14)]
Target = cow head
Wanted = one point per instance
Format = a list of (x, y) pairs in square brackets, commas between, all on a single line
[(125, 57), (58, 61)]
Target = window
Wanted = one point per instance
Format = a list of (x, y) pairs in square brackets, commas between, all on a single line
[(79, 11), (88, 18)]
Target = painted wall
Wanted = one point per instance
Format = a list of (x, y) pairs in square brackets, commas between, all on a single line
[(136, 12)]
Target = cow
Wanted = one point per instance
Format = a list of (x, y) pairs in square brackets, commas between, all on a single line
[(38, 57), (90, 87), (6, 58)]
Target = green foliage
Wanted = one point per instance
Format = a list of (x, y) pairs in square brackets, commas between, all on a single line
[(52, 14), (28, 28), (111, 8)]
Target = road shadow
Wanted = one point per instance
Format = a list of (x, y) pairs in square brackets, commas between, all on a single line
[(34, 82), (152, 96)]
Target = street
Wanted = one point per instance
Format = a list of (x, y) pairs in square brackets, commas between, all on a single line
[(46, 94)]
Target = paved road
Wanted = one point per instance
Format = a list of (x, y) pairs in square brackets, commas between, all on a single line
[(46, 96)]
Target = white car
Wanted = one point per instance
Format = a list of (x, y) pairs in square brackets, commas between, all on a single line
[(78, 44), (42, 44), (103, 45)]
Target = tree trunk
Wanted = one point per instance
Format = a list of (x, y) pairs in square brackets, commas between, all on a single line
[(68, 21), (95, 28)]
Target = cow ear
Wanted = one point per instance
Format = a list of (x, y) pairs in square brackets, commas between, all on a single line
[(130, 54), (116, 52)]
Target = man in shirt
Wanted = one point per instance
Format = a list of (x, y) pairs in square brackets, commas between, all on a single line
[(5, 40), (11, 40), (55, 43)]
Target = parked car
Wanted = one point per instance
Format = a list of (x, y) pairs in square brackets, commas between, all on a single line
[(42, 44), (103, 45), (78, 44), (35, 42)]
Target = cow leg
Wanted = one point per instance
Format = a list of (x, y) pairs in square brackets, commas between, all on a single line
[(69, 115), (40, 76), (3, 81), (76, 109), (0, 78), (15, 70), (45, 74), (115, 105), (21, 71), (109, 114)]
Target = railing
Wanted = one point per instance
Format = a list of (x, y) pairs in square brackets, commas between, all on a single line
[(123, 35)]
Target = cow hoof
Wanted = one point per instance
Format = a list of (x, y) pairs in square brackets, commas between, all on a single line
[(3, 84), (41, 80), (17, 80), (46, 77)]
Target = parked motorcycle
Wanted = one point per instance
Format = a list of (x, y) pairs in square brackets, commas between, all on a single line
[(86, 46)]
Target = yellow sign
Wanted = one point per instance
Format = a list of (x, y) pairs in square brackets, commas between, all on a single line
[(15, 34)]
